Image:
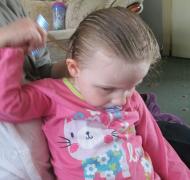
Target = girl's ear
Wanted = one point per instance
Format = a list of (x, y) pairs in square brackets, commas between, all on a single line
[(72, 67)]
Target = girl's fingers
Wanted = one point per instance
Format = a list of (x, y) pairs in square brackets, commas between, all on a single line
[(37, 39), (43, 34), (31, 35)]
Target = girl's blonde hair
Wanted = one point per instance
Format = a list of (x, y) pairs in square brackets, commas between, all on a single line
[(116, 30)]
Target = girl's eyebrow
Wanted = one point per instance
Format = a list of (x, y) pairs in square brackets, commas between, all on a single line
[(112, 87)]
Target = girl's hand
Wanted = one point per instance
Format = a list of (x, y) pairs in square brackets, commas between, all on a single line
[(23, 33)]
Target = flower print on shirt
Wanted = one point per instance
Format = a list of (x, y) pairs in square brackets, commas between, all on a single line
[(91, 169), (103, 159), (94, 145), (147, 166), (102, 143), (108, 165)]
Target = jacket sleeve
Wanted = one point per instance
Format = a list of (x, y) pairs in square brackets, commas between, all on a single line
[(165, 160), (18, 102)]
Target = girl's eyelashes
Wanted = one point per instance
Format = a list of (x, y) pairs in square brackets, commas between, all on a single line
[(111, 89), (107, 89)]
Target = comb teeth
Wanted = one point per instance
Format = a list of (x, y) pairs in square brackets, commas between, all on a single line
[(35, 53), (41, 21)]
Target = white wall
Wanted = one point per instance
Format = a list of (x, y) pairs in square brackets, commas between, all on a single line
[(152, 14), (181, 28)]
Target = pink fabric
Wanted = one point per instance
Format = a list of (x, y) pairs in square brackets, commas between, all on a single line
[(86, 143)]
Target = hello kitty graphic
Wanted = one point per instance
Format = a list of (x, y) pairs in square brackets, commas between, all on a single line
[(97, 147)]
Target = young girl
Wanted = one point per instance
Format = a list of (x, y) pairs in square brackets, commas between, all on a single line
[(95, 122)]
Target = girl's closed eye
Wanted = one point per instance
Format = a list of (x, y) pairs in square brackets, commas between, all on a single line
[(107, 89), (104, 89)]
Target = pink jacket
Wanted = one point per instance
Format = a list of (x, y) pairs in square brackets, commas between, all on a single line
[(86, 143)]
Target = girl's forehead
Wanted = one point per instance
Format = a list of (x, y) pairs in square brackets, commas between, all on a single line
[(102, 58), (107, 69), (109, 61)]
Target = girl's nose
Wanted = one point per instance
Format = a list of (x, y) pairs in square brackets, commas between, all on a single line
[(119, 101), (121, 98)]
